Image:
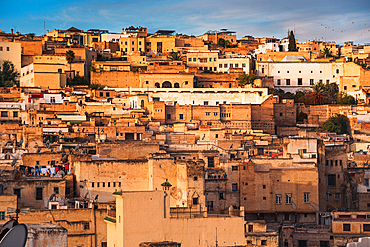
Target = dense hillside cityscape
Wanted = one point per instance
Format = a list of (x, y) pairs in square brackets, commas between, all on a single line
[(166, 139)]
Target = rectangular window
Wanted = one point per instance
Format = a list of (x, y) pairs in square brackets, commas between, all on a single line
[(366, 227), (346, 227), (168, 116), (222, 196), (17, 192), (92, 185), (288, 198), (250, 228), (327, 196), (56, 190), (1, 48), (234, 168), (278, 199), (108, 184), (287, 82), (366, 182), (312, 82), (7, 49), (225, 65), (195, 201), (211, 162), (337, 196), (234, 187), (278, 82), (114, 184), (306, 197), (331, 180), (86, 225), (15, 114), (4, 114), (2, 215), (302, 243), (300, 81), (39, 194), (189, 59), (181, 116)]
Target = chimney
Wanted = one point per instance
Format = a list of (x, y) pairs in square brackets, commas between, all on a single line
[(12, 31)]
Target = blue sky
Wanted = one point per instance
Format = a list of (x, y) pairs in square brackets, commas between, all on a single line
[(338, 21)]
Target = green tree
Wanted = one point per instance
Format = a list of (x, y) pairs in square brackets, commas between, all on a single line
[(292, 44), (70, 56), (78, 80), (326, 52), (345, 99), (224, 43), (317, 96), (8, 75), (246, 79), (96, 86), (175, 56), (331, 91), (338, 124)]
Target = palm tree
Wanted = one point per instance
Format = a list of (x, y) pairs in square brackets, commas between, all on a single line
[(318, 94), (175, 56), (70, 56), (326, 52)]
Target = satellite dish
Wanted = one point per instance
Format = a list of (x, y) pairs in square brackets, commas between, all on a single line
[(26, 145), (87, 193), (14, 162), (52, 149), (294, 207), (16, 237), (47, 142), (20, 142), (38, 150), (12, 142), (84, 150), (60, 132), (52, 196), (77, 147), (96, 197)]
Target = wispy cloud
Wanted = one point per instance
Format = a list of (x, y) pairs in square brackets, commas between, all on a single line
[(258, 18)]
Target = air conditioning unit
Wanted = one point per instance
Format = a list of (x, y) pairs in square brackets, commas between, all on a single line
[(368, 216)]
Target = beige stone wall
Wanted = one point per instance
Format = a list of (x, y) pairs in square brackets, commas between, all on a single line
[(262, 182), (13, 55), (155, 205), (75, 221), (28, 190), (5, 202), (127, 150), (180, 80), (119, 79)]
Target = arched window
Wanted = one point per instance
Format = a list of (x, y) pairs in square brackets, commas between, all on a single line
[(176, 85), (166, 84), (142, 103), (157, 85)]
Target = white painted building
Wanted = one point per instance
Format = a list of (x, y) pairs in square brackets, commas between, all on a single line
[(229, 62), (291, 75)]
